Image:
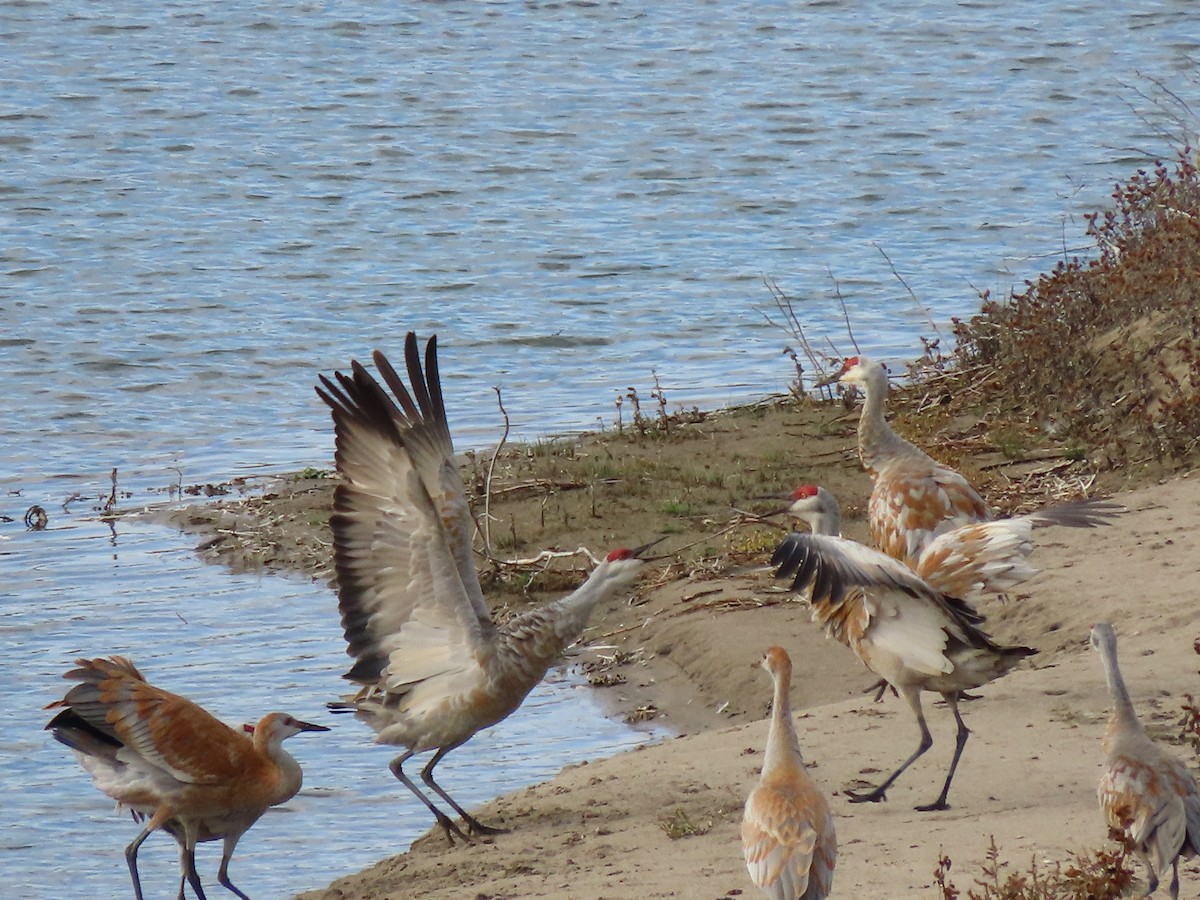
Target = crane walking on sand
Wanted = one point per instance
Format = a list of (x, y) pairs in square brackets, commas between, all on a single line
[(914, 497), (1146, 794), (433, 666), (173, 763), (914, 636), (787, 831)]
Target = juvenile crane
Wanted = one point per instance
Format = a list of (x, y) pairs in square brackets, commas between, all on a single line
[(912, 635), (914, 498), (433, 666), (174, 765), (788, 837), (1145, 793)]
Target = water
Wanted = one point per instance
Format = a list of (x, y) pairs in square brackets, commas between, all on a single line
[(205, 205), (241, 646)]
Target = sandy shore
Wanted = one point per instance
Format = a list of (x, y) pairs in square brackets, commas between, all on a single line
[(1027, 777)]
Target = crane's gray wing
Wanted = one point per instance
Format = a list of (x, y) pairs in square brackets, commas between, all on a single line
[(426, 434), (405, 608)]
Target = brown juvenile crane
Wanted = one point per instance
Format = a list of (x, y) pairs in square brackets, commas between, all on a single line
[(914, 497), (433, 666), (174, 765), (1145, 793), (912, 635), (788, 837)]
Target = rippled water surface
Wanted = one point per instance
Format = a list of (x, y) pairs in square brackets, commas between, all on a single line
[(241, 646), (204, 205)]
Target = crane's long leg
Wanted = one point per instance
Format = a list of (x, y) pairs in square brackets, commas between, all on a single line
[(160, 816), (223, 872), (443, 820), (131, 859), (193, 877), (880, 793), (474, 826), (1151, 875), (960, 742)]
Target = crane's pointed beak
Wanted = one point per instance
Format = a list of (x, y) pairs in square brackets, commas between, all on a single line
[(309, 726), (638, 551), (774, 512), (825, 382)]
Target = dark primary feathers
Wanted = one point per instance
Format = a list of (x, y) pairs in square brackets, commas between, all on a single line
[(398, 451)]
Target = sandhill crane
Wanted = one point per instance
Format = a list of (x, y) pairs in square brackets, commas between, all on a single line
[(787, 831), (914, 497), (1145, 793), (434, 667), (969, 561), (906, 631), (172, 763)]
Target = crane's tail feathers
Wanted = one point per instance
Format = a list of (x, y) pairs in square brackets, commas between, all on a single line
[(76, 732)]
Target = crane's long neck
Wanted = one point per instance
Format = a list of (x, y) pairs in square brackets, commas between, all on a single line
[(538, 637), (290, 775), (1123, 714), (877, 442), (575, 609), (826, 521), (782, 741)]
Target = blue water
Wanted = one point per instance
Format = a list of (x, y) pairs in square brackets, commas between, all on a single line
[(203, 206)]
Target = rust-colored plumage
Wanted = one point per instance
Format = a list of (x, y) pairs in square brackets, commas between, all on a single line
[(968, 561), (1145, 793), (904, 629), (914, 498), (172, 763), (788, 837), (433, 666)]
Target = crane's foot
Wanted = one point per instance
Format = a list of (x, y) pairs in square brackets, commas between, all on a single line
[(450, 829), (880, 688), (940, 803), (474, 826), (872, 796)]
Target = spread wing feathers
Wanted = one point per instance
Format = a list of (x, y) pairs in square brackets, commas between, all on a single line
[(829, 566), (985, 557), (399, 583), (787, 846), (907, 617), (147, 726), (427, 435), (1077, 514), (991, 557), (907, 509)]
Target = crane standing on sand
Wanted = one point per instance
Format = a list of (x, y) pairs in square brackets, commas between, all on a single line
[(1145, 793), (788, 837), (433, 666), (173, 763), (905, 630), (914, 498)]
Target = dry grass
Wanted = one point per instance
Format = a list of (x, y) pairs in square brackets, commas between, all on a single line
[(1098, 875), (1103, 355)]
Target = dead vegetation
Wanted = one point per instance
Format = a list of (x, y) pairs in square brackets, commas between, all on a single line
[(1099, 875), (1101, 355)]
